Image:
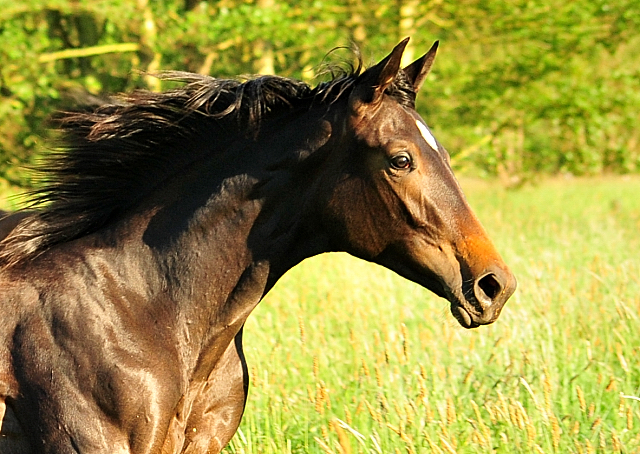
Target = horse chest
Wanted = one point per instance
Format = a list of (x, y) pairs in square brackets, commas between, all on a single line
[(210, 411)]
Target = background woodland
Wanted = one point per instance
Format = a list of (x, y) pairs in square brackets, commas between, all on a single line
[(520, 87)]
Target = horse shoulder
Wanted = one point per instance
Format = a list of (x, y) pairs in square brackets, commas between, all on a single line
[(13, 440), (68, 332), (17, 298)]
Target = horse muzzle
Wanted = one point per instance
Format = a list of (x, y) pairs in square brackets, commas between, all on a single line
[(484, 299)]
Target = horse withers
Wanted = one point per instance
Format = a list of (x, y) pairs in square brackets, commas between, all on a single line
[(168, 216), (9, 221)]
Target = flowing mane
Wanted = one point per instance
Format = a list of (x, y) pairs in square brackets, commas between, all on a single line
[(113, 156)]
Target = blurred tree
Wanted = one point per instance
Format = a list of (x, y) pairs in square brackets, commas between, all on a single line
[(527, 86), (519, 86)]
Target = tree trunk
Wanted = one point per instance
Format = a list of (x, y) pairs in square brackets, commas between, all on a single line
[(407, 27), (263, 50), (148, 35), (356, 23)]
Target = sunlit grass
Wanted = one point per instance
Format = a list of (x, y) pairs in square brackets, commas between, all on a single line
[(346, 357)]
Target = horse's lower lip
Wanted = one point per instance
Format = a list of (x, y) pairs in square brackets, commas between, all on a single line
[(463, 317)]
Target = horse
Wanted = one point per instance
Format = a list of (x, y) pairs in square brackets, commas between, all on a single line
[(166, 217), (9, 221)]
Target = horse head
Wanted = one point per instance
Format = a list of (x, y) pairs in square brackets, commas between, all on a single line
[(396, 201)]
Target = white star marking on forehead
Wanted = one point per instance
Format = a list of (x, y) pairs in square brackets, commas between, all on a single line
[(427, 135)]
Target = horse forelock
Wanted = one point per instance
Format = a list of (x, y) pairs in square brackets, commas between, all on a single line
[(113, 156)]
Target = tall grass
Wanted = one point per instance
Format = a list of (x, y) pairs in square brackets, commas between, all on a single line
[(345, 357)]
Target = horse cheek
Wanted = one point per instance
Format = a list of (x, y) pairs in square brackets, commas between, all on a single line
[(352, 220)]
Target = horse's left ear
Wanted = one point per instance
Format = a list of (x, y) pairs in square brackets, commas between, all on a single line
[(418, 70), (372, 83)]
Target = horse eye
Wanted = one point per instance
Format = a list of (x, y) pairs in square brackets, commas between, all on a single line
[(401, 162)]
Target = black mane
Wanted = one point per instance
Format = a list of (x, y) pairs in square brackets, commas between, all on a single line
[(113, 156)]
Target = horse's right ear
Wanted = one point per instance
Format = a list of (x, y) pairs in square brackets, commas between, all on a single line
[(418, 70), (372, 83)]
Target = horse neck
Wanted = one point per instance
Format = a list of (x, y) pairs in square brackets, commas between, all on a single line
[(226, 229)]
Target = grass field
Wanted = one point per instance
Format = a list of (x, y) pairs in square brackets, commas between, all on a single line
[(346, 357)]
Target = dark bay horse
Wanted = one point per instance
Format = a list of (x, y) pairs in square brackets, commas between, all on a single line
[(9, 221), (168, 216)]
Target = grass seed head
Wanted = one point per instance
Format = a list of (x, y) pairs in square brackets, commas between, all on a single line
[(428, 412), (379, 381), (556, 431), (347, 415), (531, 432), (432, 446), (343, 439), (546, 387), (447, 447), (365, 369), (451, 411), (589, 449), (301, 327), (581, 400), (576, 428), (468, 375), (375, 415), (513, 414), (323, 445), (423, 372), (409, 410), (615, 442), (612, 385)]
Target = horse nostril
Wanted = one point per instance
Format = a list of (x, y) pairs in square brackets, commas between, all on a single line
[(491, 290), (488, 288)]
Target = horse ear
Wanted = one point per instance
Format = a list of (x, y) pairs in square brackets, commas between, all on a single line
[(418, 70), (372, 83)]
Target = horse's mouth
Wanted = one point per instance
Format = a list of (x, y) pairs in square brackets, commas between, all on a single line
[(470, 314), (463, 316), (464, 305)]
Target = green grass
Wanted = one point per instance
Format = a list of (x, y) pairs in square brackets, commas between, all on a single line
[(346, 357)]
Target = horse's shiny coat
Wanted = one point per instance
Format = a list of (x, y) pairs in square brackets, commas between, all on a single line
[(171, 215), (9, 221)]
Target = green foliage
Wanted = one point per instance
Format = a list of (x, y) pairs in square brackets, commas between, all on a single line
[(519, 86), (552, 83)]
